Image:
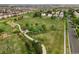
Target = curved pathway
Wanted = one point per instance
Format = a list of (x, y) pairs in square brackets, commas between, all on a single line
[(27, 36), (42, 45)]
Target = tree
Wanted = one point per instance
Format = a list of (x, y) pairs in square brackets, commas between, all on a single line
[(15, 19), (53, 17), (36, 28), (65, 14), (70, 12), (44, 27), (37, 47), (1, 30), (75, 21), (49, 12), (53, 27), (29, 26), (77, 31), (37, 14)]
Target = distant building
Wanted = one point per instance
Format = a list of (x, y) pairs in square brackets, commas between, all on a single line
[(49, 15), (61, 15), (1, 17), (53, 12), (76, 13), (43, 14)]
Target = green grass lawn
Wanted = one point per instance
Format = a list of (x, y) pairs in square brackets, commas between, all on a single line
[(13, 43), (52, 39)]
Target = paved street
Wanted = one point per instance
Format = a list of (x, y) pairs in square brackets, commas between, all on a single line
[(74, 42)]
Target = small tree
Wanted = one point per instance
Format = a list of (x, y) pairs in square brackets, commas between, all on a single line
[(77, 31), (38, 27), (37, 47), (70, 12), (53, 27), (65, 14), (49, 11), (53, 17), (15, 19), (44, 28), (29, 26), (75, 21), (1, 30), (37, 14)]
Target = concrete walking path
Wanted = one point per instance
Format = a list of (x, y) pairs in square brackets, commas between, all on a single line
[(64, 38), (42, 45)]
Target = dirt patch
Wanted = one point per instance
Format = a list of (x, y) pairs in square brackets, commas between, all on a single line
[(4, 35)]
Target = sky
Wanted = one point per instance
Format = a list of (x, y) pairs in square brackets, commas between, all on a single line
[(39, 2)]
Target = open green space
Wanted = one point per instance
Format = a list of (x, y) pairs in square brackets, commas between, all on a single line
[(48, 31)]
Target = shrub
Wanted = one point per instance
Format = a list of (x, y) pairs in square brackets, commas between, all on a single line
[(37, 47), (75, 21), (29, 26), (15, 19), (65, 14), (37, 14), (77, 30), (70, 12), (36, 28), (44, 28), (53, 17), (53, 27), (1, 30), (49, 12)]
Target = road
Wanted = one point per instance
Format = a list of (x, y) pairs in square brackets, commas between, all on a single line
[(42, 45), (74, 42)]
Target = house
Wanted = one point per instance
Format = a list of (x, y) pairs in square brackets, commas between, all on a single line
[(53, 12), (43, 14), (1, 17), (49, 15), (76, 13), (61, 15)]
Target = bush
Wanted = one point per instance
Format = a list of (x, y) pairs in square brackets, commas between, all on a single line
[(37, 47), (53, 17), (44, 28), (77, 30), (49, 12), (75, 21), (70, 12), (36, 28), (53, 27), (65, 14), (15, 19), (37, 14), (19, 17), (41, 28), (29, 26), (1, 30)]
